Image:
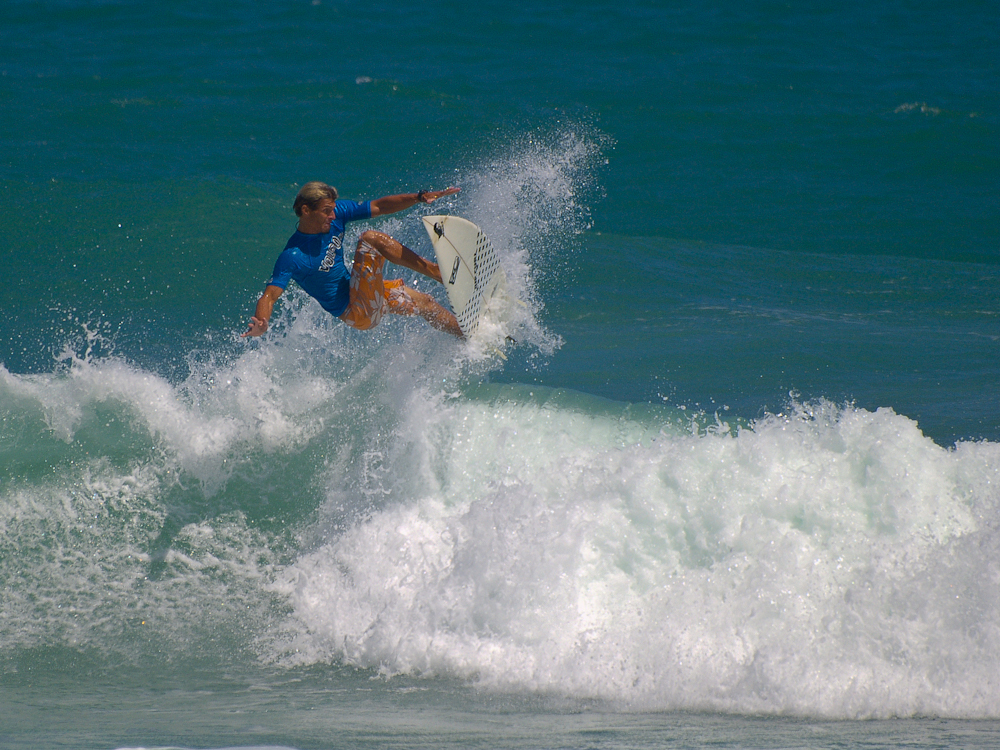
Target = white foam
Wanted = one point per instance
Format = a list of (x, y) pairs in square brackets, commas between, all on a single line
[(77, 562), (251, 403), (831, 562)]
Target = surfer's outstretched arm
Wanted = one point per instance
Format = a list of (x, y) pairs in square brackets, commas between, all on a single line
[(390, 204), (262, 314)]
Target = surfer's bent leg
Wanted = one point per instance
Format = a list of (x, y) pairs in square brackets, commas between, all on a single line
[(396, 252), (372, 296)]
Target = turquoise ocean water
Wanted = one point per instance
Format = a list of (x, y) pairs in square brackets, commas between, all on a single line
[(736, 484)]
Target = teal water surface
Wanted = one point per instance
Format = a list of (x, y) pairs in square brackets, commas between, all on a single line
[(734, 484)]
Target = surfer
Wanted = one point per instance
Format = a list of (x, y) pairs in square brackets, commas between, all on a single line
[(314, 257)]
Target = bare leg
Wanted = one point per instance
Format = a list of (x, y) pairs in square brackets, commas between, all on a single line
[(372, 294), (398, 253), (409, 301)]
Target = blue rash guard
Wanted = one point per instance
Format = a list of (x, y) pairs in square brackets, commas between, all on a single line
[(316, 261)]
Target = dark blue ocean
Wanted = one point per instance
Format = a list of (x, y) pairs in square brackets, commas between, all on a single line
[(733, 483)]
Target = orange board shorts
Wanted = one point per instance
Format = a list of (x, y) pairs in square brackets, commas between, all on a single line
[(371, 295)]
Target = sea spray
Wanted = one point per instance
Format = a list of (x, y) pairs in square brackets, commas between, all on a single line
[(532, 196)]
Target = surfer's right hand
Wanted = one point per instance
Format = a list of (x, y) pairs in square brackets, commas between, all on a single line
[(258, 327)]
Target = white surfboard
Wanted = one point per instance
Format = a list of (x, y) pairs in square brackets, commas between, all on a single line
[(470, 267)]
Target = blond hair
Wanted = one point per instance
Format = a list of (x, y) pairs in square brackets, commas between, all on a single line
[(311, 194)]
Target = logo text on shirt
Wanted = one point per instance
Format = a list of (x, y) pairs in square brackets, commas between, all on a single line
[(331, 252)]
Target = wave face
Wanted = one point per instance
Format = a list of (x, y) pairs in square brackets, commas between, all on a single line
[(827, 561)]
